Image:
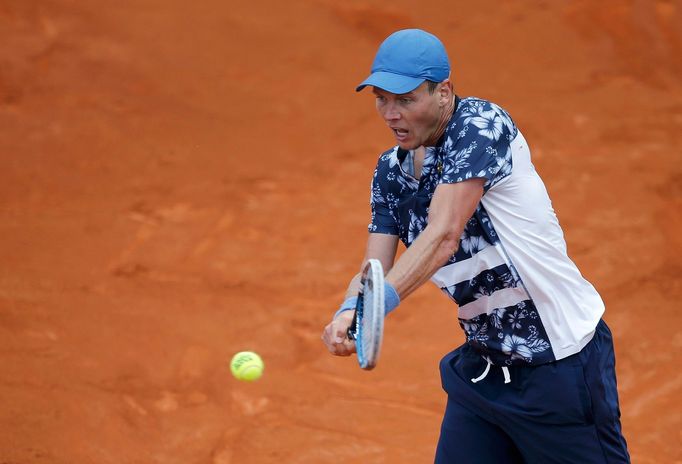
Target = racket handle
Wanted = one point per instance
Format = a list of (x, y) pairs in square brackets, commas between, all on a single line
[(353, 329)]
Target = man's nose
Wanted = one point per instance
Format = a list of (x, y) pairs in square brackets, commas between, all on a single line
[(391, 113)]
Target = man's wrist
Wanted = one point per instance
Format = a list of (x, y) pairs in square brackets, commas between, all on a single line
[(391, 298), (391, 301), (349, 304)]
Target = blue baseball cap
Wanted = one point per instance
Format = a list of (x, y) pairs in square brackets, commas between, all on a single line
[(406, 59)]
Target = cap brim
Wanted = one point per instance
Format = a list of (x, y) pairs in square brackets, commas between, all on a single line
[(394, 83)]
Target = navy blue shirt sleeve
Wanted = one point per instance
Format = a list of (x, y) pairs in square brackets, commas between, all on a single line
[(477, 143), (382, 221)]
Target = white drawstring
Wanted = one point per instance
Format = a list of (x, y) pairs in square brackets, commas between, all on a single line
[(505, 371), (485, 372), (507, 377)]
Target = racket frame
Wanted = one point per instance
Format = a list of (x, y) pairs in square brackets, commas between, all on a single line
[(367, 328)]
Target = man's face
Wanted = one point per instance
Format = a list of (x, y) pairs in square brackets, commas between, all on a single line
[(413, 117)]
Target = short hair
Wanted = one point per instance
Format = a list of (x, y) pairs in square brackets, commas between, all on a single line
[(431, 85)]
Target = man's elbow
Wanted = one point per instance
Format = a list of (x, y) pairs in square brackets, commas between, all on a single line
[(448, 240), (450, 243)]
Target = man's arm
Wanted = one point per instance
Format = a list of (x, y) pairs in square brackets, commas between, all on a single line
[(379, 246), (451, 207)]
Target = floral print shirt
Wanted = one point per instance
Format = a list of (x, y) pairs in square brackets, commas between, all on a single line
[(496, 311)]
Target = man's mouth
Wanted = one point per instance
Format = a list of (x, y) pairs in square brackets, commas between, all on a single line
[(400, 134)]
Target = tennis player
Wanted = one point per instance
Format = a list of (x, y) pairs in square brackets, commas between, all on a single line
[(535, 381)]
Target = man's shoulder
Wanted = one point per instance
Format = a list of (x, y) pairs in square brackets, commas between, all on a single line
[(388, 176), (473, 105), (488, 117), (385, 155), (389, 158)]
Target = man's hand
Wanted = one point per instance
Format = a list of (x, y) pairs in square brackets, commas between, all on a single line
[(334, 335), (379, 246)]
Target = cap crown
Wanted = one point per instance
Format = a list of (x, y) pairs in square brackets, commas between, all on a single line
[(414, 53)]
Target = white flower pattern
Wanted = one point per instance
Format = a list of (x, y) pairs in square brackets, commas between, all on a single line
[(488, 122)]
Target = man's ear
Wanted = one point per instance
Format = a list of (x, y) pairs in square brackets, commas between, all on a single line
[(445, 92)]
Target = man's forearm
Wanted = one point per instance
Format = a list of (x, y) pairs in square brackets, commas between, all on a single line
[(421, 260), (354, 286)]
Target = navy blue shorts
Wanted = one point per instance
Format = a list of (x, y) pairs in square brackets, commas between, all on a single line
[(560, 412)]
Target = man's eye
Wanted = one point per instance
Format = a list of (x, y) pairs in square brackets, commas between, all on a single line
[(405, 100)]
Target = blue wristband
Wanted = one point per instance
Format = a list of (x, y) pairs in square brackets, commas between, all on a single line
[(349, 304), (391, 298), (391, 301)]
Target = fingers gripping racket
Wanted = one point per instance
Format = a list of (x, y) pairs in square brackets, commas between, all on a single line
[(367, 328)]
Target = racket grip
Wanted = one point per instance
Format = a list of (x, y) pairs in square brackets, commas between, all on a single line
[(352, 331), (353, 328)]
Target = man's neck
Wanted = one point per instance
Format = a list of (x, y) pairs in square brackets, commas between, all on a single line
[(445, 116)]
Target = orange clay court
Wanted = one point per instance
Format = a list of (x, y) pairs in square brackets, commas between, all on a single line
[(180, 181)]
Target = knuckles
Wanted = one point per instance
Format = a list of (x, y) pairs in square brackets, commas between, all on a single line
[(345, 347)]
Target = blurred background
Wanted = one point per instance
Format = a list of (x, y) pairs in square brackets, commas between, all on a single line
[(183, 180)]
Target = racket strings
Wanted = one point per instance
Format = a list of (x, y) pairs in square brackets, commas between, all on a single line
[(369, 316)]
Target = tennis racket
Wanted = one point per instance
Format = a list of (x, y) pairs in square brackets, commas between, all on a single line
[(367, 328)]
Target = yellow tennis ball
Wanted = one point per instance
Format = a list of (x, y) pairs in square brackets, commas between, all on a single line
[(247, 366)]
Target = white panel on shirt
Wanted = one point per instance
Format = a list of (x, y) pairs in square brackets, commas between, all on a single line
[(524, 220), (452, 274)]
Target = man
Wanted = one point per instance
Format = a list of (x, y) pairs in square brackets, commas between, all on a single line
[(535, 381)]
